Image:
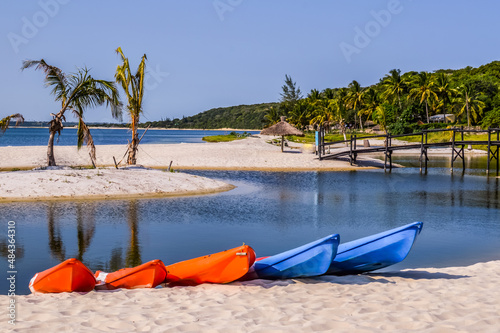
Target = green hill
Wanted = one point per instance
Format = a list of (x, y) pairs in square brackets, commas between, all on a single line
[(241, 116)]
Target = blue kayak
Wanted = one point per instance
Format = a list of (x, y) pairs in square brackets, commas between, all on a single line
[(376, 251), (311, 259)]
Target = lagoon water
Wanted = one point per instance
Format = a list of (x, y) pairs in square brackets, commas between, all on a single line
[(271, 211), (36, 136)]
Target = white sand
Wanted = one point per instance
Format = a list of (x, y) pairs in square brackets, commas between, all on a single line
[(248, 154), (460, 299), (102, 183)]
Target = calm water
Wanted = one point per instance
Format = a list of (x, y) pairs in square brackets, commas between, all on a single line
[(107, 136), (272, 212)]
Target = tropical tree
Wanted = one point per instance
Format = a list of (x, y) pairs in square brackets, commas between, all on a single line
[(371, 101), (272, 116), (76, 92), (394, 85), (300, 114), (382, 115), (338, 106), (133, 85), (468, 101), (355, 99), (422, 90), (5, 122), (290, 95), (444, 92)]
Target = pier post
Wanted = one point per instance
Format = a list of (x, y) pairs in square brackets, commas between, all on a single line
[(452, 149), (462, 149), (489, 152), (350, 151), (385, 153)]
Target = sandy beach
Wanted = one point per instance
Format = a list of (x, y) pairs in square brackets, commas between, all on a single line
[(456, 299), (252, 153)]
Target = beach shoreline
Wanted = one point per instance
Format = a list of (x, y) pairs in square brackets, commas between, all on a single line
[(250, 154), (453, 299)]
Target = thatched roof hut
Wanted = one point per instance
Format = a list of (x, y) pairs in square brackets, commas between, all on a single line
[(281, 129)]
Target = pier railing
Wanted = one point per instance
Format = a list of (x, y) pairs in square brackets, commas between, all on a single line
[(331, 150)]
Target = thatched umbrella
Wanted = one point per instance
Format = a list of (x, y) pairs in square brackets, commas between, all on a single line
[(282, 128)]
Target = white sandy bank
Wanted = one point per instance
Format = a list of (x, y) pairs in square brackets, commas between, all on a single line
[(252, 153), (460, 299), (102, 183)]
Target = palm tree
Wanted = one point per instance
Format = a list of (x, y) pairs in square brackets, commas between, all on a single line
[(423, 90), (5, 122), (355, 99), (444, 92), (339, 105), (76, 92), (272, 116), (133, 85), (300, 114), (394, 85), (469, 101), (371, 101)]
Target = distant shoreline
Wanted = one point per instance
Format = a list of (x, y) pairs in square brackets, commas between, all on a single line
[(157, 128)]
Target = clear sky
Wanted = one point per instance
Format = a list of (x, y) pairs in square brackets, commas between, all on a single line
[(211, 53)]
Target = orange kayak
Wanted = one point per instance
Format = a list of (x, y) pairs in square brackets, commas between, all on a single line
[(221, 267), (70, 275), (147, 275)]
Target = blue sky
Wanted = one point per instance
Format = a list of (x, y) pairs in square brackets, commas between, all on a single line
[(212, 53)]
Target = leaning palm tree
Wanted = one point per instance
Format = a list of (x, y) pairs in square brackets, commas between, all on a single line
[(133, 85), (5, 122), (76, 92), (469, 101), (423, 90)]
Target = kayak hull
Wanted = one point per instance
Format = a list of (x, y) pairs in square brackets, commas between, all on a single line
[(376, 251), (311, 259), (221, 267), (70, 275), (147, 275)]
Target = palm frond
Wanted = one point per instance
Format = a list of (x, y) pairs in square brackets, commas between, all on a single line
[(53, 77), (84, 135), (5, 122)]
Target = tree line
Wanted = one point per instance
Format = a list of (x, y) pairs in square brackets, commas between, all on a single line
[(399, 102)]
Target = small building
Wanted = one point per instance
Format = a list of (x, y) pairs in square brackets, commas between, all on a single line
[(440, 118)]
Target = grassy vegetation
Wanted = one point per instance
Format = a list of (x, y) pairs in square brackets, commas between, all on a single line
[(309, 137), (432, 137), (225, 138)]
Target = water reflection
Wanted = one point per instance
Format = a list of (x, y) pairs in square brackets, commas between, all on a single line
[(55, 239), (272, 212), (133, 257)]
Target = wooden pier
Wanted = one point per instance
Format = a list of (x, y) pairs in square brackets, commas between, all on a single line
[(457, 143)]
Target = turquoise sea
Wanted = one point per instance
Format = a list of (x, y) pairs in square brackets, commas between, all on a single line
[(35, 136)]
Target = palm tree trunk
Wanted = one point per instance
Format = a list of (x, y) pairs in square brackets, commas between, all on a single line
[(51, 161), (467, 106), (361, 122), (132, 159), (427, 111)]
